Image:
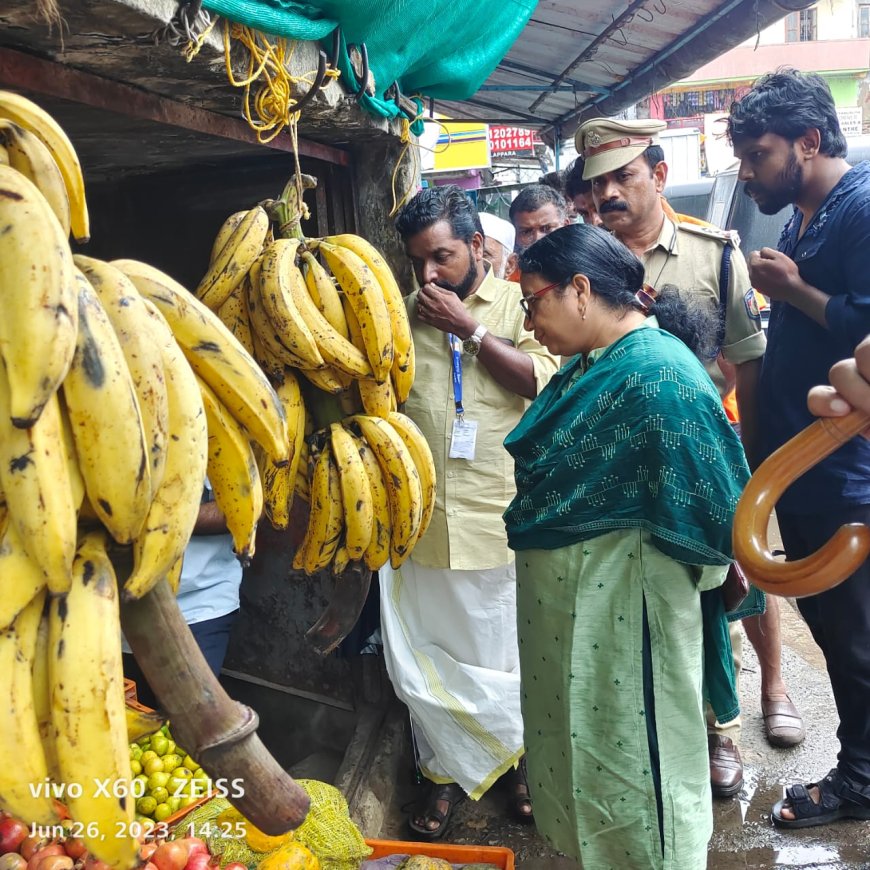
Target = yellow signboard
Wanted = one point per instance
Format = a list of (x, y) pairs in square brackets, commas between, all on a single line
[(460, 145)]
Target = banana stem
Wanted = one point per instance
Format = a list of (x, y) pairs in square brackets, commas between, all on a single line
[(217, 731), (287, 211)]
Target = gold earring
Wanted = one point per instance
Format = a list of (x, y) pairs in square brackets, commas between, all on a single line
[(584, 314)]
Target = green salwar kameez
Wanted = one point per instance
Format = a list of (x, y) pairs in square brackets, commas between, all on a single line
[(580, 614)]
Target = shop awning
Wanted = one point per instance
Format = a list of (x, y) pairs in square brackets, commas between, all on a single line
[(577, 60)]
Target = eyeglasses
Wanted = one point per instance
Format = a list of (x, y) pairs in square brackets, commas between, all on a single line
[(526, 301)]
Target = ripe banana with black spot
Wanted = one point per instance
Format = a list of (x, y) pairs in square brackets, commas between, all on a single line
[(42, 693), (378, 551), (37, 296), (141, 723), (233, 474), (367, 300), (329, 380), (26, 154), (23, 764), (216, 356), (356, 494), (100, 399), (234, 315), (228, 227), (288, 299), (421, 453), (290, 396), (277, 298), (235, 258), (277, 493), (88, 707), (272, 356), (326, 519), (378, 399), (175, 505), (27, 114), (22, 578), (4, 514), (125, 309), (323, 293), (38, 476), (402, 480), (403, 343)]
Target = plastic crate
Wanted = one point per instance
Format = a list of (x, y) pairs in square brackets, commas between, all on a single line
[(498, 855), (130, 690)]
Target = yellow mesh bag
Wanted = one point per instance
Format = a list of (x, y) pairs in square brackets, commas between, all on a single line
[(328, 830)]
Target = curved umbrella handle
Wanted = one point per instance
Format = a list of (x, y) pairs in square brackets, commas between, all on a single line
[(839, 557)]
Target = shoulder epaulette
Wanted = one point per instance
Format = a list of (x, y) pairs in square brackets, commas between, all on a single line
[(711, 232)]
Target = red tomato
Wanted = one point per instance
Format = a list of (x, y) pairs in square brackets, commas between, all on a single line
[(235, 865), (12, 834)]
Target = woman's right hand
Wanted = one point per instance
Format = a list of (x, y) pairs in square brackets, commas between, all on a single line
[(850, 387)]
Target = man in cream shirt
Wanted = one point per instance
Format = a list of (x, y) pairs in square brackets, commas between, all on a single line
[(449, 613)]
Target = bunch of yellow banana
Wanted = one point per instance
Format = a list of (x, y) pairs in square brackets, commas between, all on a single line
[(339, 321), (327, 316), (371, 490), (119, 393)]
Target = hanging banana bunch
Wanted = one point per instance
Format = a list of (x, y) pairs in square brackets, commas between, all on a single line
[(325, 319), (119, 392)]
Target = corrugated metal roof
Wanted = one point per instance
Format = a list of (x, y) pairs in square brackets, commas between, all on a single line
[(597, 57)]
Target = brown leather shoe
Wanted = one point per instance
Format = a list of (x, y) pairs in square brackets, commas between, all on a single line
[(726, 768)]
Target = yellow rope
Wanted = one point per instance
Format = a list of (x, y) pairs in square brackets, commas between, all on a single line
[(414, 148), (270, 108), (191, 50)]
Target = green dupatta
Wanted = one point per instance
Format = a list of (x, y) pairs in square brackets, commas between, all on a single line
[(637, 440)]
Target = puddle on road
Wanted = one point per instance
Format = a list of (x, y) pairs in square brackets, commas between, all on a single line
[(751, 808)]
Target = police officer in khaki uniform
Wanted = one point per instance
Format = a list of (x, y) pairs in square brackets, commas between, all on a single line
[(625, 163)]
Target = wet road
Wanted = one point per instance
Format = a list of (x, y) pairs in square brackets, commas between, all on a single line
[(744, 838)]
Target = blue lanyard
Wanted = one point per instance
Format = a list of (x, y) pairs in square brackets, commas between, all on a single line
[(456, 360)]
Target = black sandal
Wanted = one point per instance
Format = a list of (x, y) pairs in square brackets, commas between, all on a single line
[(520, 796), (452, 794), (837, 800)]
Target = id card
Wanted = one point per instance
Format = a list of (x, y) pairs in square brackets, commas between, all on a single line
[(463, 440)]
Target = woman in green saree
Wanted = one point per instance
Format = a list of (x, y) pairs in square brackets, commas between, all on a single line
[(628, 474)]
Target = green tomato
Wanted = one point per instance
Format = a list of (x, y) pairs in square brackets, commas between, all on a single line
[(160, 794), (159, 744), (135, 767)]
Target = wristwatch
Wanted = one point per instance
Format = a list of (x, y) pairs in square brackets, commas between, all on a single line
[(472, 344)]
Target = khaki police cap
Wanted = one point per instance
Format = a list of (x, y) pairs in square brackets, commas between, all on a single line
[(607, 145)]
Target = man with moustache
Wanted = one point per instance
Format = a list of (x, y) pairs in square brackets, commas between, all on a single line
[(448, 614), (787, 136), (625, 163)]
